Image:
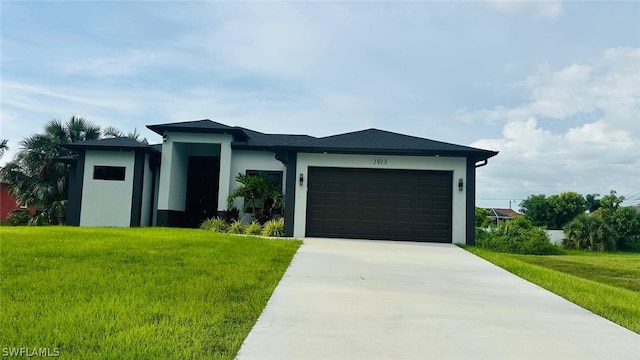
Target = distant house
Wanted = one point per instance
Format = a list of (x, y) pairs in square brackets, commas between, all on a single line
[(498, 215), (8, 203)]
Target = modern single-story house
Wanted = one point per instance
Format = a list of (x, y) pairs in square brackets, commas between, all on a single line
[(368, 184)]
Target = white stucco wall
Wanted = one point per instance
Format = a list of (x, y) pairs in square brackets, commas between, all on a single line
[(147, 189), (456, 165), (556, 236), (243, 160), (107, 202), (173, 172)]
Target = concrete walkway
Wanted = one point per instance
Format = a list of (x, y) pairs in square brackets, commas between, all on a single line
[(354, 299)]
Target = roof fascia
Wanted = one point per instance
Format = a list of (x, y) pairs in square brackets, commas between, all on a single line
[(237, 133)]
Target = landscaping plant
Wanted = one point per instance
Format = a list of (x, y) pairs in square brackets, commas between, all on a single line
[(253, 229), (259, 194), (237, 227), (517, 236), (274, 228), (215, 224)]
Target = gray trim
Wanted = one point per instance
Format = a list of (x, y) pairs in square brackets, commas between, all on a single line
[(138, 185), (74, 197), (290, 159), (153, 165), (170, 218), (471, 202)]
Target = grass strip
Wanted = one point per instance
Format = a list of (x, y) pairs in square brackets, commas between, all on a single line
[(142, 293), (619, 305)]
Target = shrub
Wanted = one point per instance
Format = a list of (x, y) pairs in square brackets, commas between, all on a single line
[(632, 243), (624, 222), (518, 236), (39, 220), (215, 224), (274, 228), (231, 215), (237, 227), (483, 219), (589, 232), (19, 217), (253, 229)]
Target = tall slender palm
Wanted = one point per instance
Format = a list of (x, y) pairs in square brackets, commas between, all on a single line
[(3, 146), (34, 177)]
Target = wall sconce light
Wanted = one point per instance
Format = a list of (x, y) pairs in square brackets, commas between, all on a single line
[(301, 179), (164, 138), (460, 184)]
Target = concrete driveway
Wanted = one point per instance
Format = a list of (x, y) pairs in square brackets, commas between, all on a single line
[(355, 299)]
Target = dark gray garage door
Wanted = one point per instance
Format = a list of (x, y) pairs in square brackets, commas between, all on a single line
[(379, 204)]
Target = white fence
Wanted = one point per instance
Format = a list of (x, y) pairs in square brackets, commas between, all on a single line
[(556, 236)]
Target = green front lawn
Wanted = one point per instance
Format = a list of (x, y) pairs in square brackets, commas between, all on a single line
[(606, 284), (145, 293), (621, 270)]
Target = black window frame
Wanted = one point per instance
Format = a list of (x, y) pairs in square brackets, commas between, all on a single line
[(275, 177), (109, 173)]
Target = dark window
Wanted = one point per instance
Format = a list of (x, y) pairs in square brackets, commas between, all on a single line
[(275, 177), (109, 173)]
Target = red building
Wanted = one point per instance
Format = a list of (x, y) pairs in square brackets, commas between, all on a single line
[(8, 203)]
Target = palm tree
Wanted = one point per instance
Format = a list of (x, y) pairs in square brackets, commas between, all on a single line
[(3, 146), (113, 132), (259, 194), (588, 232), (35, 179)]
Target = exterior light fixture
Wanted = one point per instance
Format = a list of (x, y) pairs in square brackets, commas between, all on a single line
[(301, 179), (460, 184), (164, 138)]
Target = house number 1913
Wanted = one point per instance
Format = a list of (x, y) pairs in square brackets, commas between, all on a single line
[(379, 161)]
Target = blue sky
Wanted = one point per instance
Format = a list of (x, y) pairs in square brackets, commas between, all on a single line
[(554, 86)]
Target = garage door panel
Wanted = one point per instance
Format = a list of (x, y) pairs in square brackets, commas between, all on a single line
[(379, 204)]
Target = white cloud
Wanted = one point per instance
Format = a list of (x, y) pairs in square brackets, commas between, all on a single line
[(541, 155)]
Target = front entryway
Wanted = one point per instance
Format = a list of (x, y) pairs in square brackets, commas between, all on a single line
[(203, 174)]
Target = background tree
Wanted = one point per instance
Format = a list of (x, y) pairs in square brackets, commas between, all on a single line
[(588, 232), (624, 221), (482, 218), (3, 146), (537, 209), (34, 178), (112, 132), (564, 208), (554, 211), (593, 203), (612, 201)]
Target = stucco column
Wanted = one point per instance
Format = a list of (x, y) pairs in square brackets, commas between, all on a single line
[(165, 176), (225, 175)]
